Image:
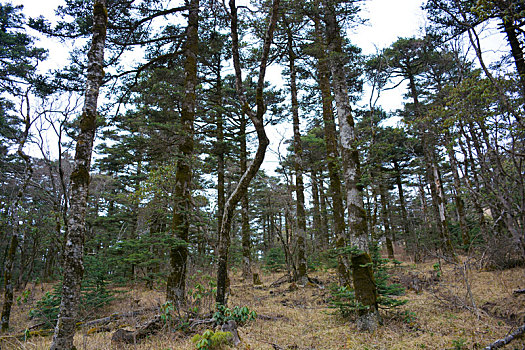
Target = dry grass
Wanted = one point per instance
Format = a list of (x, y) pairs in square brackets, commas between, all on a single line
[(446, 318)]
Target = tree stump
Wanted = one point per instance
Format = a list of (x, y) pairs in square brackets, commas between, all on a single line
[(256, 279)]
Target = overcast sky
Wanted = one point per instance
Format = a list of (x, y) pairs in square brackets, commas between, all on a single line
[(387, 20)]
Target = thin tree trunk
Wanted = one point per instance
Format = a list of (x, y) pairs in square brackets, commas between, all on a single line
[(245, 220), (318, 235), (12, 237), (302, 278), (73, 252), (258, 122), (433, 175), (407, 233), (386, 222), (175, 288), (460, 203)]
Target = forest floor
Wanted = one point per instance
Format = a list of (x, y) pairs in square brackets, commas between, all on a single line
[(465, 308)]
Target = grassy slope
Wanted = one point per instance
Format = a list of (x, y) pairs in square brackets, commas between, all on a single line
[(304, 321)]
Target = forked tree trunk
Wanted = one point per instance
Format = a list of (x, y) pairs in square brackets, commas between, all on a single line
[(73, 251), (302, 278), (175, 289), (258, 123)]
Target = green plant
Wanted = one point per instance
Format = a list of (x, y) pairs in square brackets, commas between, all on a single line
[(166, 310), (241, 315), (22, 298), (459, 344), (409, 317), (210, 340), (274, 260), (437, 269), (343, 298)]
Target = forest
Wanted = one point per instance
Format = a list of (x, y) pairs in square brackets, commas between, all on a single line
[(138, 209)]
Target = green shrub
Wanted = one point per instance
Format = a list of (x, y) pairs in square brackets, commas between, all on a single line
[(94, 295), (343, 298), (240, 315), (210, 340), (274, 260)]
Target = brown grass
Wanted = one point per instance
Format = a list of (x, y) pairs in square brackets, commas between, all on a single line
[(446, 318)]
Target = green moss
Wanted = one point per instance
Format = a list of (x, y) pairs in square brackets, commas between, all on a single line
[(210, 340)]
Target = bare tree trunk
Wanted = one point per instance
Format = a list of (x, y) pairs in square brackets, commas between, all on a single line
[(74, 246), (257, 120), (175, 288), (302, 278)]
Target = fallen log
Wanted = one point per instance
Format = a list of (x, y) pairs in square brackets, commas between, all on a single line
[(281, 280), (132, 337), (519, 291), (502, 342)]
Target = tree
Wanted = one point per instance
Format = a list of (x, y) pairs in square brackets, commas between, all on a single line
[(258, 122), (73, 253), (177, 279)]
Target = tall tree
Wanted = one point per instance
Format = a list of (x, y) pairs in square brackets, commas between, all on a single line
[(258, 122), (73, 254), (175, 290)]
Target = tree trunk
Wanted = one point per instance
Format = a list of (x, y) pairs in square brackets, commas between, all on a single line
[(13, 212), (349, 152), (332, 155), (516, 50), (258, 122), (175, 289), (365, 292), (386, 222), (319, 236), (245, 220), (433, 174), (458, 196), (407, 233), (302, 278), (73, 252)]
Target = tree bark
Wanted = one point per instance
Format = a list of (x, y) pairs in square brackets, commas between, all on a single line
[(74, 246), (175, 288), (258, 122)]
